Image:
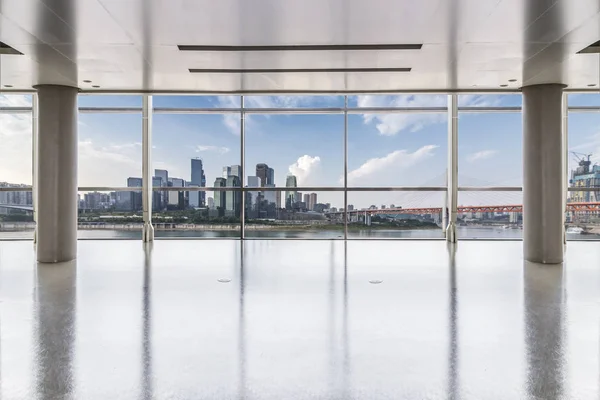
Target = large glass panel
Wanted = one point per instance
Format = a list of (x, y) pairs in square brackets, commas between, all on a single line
[(197, 150), (185, 217), (293, 101), (111, 101), (490, 215), (583, 209), (490, 149), (394, 215), (294, 150), (110, 215), (406, 149), (584, 99), (490, 100), (294, 214), (183, 101), (398, 101), (16, 168), (110, 149)]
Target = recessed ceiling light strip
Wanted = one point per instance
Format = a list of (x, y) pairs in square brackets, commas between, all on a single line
[(291, 70), (303, 47)]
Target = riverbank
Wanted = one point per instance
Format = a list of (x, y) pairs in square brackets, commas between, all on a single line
[(16, 227)]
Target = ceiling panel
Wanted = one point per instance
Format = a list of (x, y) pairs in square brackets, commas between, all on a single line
[(132, 44)]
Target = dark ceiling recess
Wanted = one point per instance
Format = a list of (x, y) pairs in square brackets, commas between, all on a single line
[(591, 49), (6, 49), (303, 47), (292, 70)]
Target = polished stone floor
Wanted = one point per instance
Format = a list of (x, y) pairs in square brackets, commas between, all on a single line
[(299, 320)]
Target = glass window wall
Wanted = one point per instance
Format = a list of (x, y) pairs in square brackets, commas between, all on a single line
[(16, 166), (211, 157), (582, 217)]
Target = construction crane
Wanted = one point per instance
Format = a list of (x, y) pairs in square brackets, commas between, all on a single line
[(584, 162)]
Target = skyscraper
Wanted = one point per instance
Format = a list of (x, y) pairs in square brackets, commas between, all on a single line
[(232, 170), (262, 171), (193, 197), (135, 198), (312, 202), (156, 194), (290, 196), (210, 203), (271, 177), (307, 201), (219, 201), (177, 198), (198, 179), (226, 172), (232, 198), (163, 174), (254, 182)]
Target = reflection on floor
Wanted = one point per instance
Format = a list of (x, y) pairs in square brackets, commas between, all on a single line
[(299, 319)]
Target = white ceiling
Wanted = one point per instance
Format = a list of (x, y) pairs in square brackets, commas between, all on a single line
[(131, 45)]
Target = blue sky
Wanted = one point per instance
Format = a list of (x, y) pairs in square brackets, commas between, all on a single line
[(383, 150)]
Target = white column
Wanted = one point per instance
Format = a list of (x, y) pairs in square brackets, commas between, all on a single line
[(56, 179), (452, 189), (147, 110), (543, 173)]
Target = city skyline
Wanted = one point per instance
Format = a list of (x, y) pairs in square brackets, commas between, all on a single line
[(383, 150)]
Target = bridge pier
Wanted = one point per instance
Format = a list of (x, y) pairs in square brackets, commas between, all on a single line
[(543, 174)]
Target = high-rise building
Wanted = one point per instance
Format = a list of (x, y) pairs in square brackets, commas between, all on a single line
[(291, 197), (271, 176), (198, 179), (193, 196), (219, 200), (253, 182), (262, 171), (156, 194), (350, 207), (313, 202), (232, 198), (277, 196), (226, 172), (135, 202), (163, 174), (232, 170), (270, 196), (210, 202), (177, 198), (306, 200)]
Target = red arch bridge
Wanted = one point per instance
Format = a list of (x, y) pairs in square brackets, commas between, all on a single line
[(571, 207)]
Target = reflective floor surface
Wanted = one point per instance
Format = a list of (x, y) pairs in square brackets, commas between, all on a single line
[(299, 320)]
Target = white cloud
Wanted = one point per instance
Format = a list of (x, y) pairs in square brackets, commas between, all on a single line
[(304, 169), (389, 163), (214, 149), (391, 124), (481, 155), (108, 165)]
